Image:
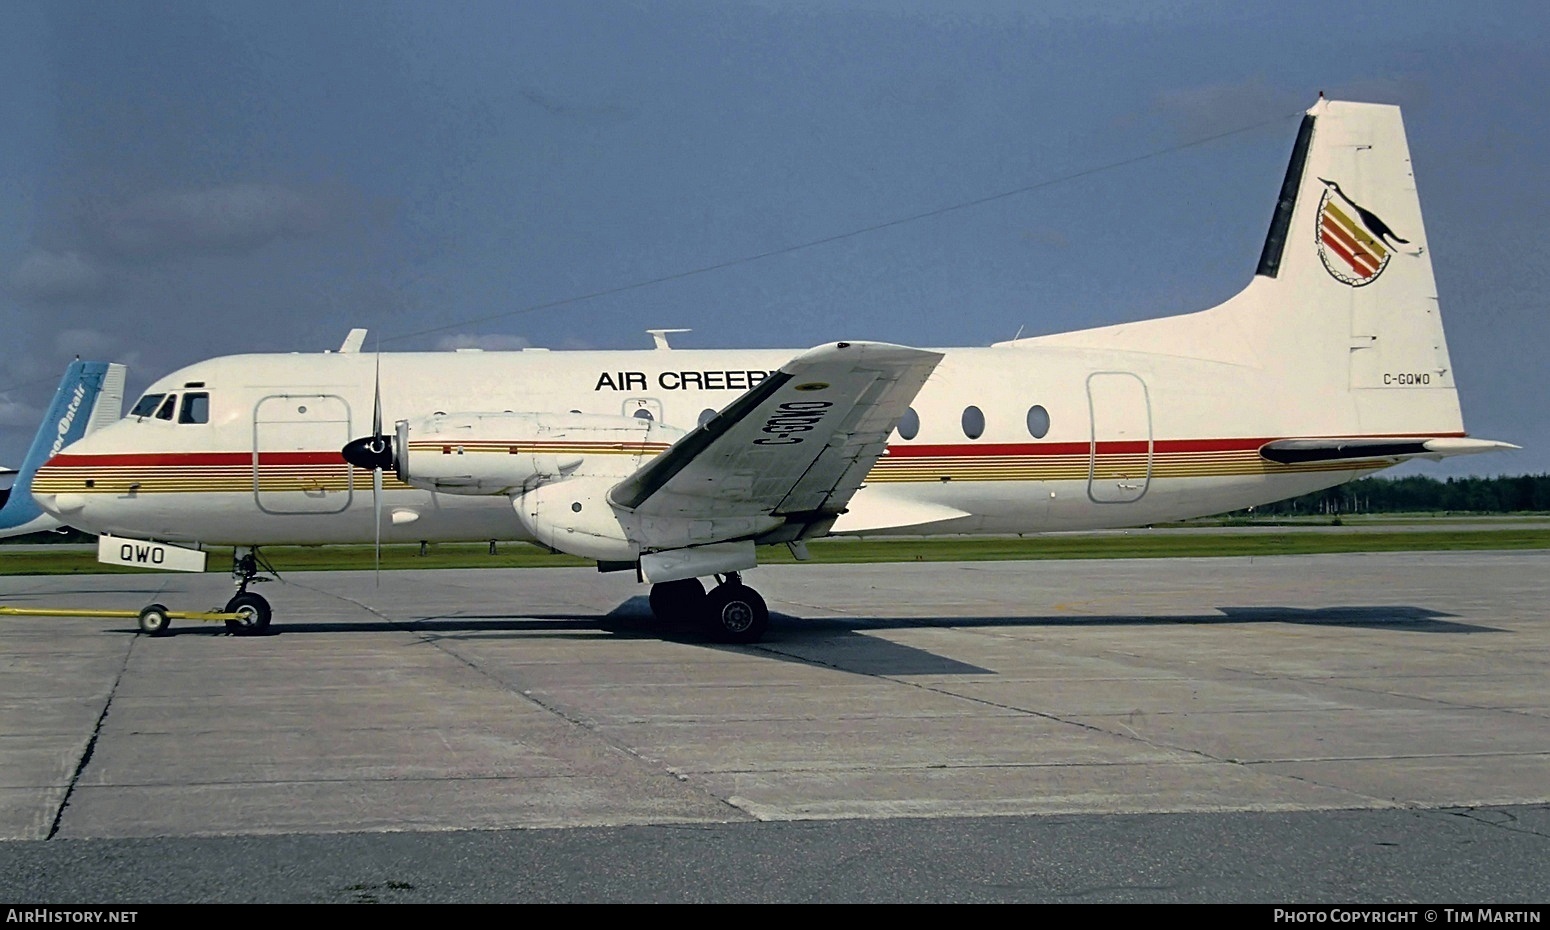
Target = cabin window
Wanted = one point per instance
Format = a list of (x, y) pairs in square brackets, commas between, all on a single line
[(196, 408), (1038, 422), (643, 414), (707, 415), (147, 405), (164, 412), (909, 424), (973, 422)]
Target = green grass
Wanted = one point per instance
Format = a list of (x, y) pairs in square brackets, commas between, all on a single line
[(1137, 544), (1440, 519)]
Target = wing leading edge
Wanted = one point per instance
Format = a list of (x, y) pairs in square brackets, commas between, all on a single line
[(795, 447)]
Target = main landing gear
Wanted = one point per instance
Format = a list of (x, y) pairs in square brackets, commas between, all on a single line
[(731, 612), (252, 610)]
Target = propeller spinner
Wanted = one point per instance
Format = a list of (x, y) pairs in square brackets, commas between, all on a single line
[(374, 453)]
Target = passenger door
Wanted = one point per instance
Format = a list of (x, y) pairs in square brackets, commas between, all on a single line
[(297, 468), (1120, 457)]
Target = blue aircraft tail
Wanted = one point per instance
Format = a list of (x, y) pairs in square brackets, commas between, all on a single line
[(90, 396)]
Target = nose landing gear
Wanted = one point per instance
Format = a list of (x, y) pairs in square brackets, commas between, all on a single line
[(253, 612)]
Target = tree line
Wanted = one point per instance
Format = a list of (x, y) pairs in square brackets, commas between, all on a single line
[(1418, 493)]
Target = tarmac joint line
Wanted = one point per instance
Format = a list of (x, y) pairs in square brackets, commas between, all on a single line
[(581, 723), (91, 743), (1500, 819)]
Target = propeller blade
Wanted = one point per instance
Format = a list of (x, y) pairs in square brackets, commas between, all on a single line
[(376, 398), (376, 506), (379, 451)]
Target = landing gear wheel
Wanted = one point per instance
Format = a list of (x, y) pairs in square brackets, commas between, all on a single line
[(154, 620), (735, 613), (677, 600), (253, 614)]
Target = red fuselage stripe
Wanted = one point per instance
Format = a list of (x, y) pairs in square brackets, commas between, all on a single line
[(67, 460), (897, 451)]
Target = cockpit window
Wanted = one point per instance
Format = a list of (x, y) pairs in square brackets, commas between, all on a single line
[(147, 405), (164, 412), (196, 408)]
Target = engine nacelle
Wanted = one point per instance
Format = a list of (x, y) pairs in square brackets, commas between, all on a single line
[(574, 516), (511, 453)]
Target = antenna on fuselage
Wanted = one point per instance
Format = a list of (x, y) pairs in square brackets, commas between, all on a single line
[(354, 341), (659, 336)]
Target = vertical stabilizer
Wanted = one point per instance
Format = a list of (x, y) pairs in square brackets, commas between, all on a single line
[(1340, 321), (90, 396), (1345, 285)]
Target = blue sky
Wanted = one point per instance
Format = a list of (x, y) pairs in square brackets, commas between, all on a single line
[(190, 179)]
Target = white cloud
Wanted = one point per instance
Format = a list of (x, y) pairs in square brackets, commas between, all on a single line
[(491, 341), (233, 218), (59, 277), (19, 414)]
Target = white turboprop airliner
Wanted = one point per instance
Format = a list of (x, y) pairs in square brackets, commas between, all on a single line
[(677, 464)]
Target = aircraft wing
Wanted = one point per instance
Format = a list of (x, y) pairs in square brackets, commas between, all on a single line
[(795, 446)]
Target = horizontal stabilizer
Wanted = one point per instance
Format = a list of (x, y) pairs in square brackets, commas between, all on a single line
[(1299, 451)]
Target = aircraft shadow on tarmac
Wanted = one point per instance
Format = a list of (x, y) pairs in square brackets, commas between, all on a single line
[(843, 639), (635, 620), (1382, 617)]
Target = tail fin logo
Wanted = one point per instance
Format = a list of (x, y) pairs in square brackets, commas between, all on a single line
[(1354, 244)]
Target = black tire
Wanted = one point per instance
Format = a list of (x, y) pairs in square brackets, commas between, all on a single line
[(735, 613), (677, 600), (255, 614), (154, 620)]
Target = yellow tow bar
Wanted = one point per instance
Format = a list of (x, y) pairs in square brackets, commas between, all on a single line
[(154, 620)]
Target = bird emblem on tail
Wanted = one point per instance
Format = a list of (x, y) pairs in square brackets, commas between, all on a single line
[(1354, 243)]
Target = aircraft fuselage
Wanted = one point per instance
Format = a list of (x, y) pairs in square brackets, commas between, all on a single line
[(1012, 439)]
